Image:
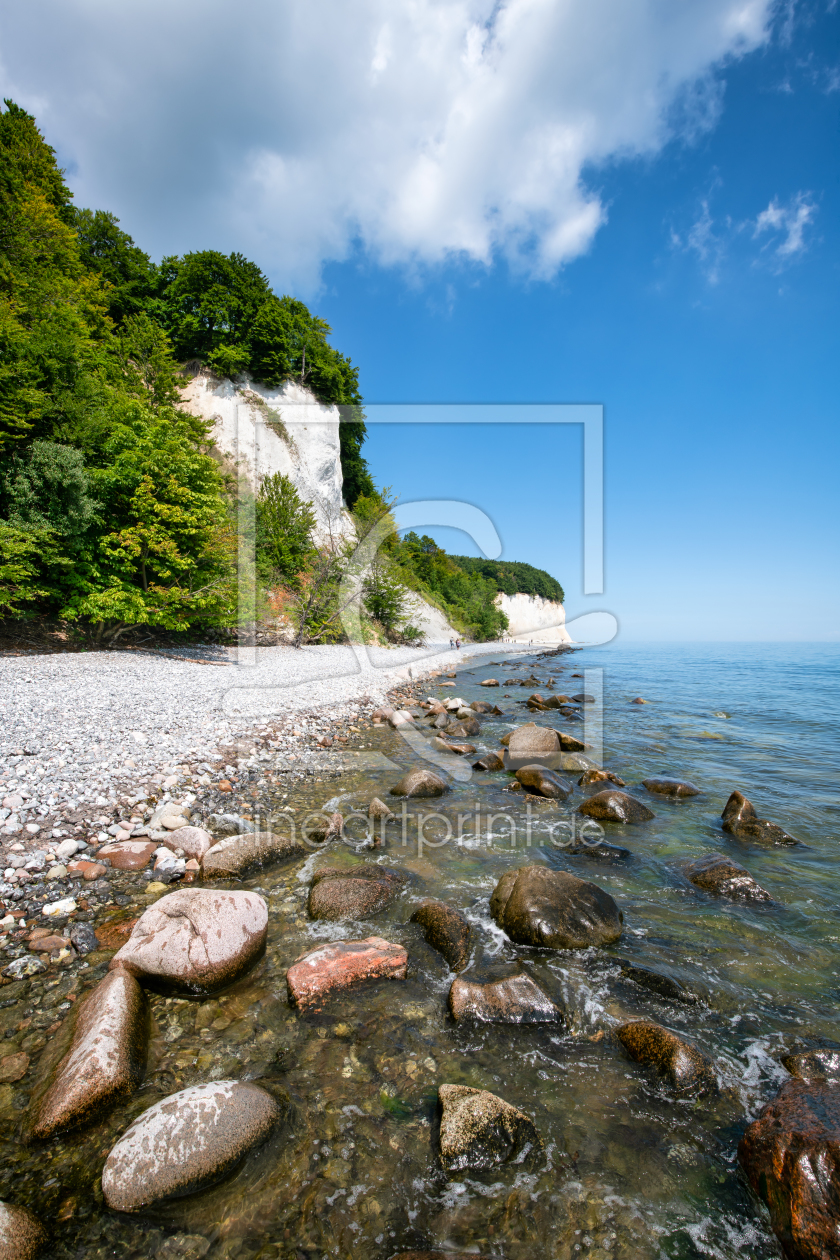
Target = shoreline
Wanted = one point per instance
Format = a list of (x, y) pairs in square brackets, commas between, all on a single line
[(86, 734)]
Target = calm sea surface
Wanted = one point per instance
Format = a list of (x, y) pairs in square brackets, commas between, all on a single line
[(632, 1172)]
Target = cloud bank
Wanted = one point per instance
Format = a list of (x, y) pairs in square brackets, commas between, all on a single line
[(420, 130)]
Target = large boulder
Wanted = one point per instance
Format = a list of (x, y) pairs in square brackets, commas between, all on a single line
[(106, 1059), (815, 1062), (187, 1142), (542, 782), (420, 782), (22, 1236), (446, 930), (553, 909), (740, 819), (515, 1000), (724, 877), (670, 787), (533, 739), (339, 965), (353, 893), (612, 806), (684, 1067), (791, 1156), (195, 940), (478, 1130), (236, 854)]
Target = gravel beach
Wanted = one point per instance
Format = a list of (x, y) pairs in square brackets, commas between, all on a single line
[(84, 732)]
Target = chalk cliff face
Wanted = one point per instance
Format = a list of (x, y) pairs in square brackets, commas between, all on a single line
[(534, 619), (285, 430)]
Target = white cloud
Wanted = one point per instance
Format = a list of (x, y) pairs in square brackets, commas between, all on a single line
[(422, 129), (789, 221)]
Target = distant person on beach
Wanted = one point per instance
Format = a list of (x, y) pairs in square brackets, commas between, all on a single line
[(452, 643), (458, 644)]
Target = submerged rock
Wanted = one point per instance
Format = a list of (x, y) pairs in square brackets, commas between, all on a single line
[(106, 1059), (583, 698), (661, 985), (419, 783), (479, 1130), (449, 746), (791, 1157), (670, 787), (821, 1062), (322, 971), (612, 806), (236, 854), (538, 906), (542, 782), (22, 1236), (446, 930), (353, 893), (490, 761), (515, 1000), (720, 875), (740, 819), (229, 824), (196, 941), (187, 1142), (599, 776), (684, 1067)]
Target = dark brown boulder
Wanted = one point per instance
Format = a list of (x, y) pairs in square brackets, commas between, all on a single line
[(684, 1067), (740, 819), (452, 746), (106, 1059), (515, 1000), (196, 941), (353, 893), (469, 725), (662, 985), (446, 930), (557, 702), (791, 1157), (542, 782), (670, 787), (599, 776), (420, 783), (187, 1142), (598, 851), (481, 706), (535, 905), (723, 877), (478, 1130), (22, 1236), (568, 743), (583, 698), (490, 761), (378, 809), (612, 806)]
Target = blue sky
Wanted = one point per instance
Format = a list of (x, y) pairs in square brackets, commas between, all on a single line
[(612, 201)]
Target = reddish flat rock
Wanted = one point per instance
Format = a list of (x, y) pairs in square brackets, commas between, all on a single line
[(128, 855), (113, 935), (49, 943), (321, 971), (22, 1236), (187, 1142), (13, 1067), (196, 940), (106, 1059)]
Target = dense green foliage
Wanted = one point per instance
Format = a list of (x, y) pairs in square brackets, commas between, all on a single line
[(113, 510), (513, 577)]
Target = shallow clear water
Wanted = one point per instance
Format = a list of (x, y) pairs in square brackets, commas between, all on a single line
[(632, 1172)]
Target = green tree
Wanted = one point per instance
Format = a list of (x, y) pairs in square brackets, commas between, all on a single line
[(107, 250), (48, 487), (284, 529), (21, 554)]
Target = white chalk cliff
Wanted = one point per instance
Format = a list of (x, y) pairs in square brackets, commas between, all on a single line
[(533, 619), (266, 430)]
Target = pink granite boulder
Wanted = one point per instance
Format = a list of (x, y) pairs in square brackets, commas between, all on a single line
[(196, 940)]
